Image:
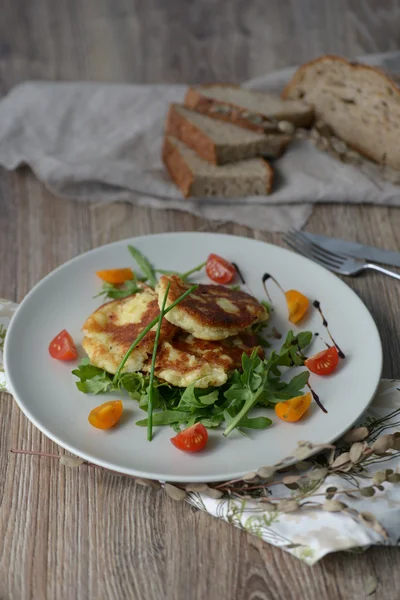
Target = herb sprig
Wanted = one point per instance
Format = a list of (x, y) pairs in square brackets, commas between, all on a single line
[(144, 265), (184, 275), (118, 291), (149, 276), (147, 329), (260, 384), (153, 365)]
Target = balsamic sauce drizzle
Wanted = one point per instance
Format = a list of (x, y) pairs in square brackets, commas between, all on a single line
[(265, 278), (300, 351), (238, 271), (316, 398), (317, 305)]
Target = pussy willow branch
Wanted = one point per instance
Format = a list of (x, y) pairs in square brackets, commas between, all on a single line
[(33, 453), (58, 456), (226, 485)]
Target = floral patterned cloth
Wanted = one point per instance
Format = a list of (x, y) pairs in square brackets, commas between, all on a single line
[(7, 309), (311, 533)]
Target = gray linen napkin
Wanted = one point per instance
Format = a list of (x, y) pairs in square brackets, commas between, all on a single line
[(102, 142)]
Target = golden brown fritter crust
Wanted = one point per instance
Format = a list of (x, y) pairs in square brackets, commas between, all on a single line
[(111, 329), (211, 312), (186, 360)]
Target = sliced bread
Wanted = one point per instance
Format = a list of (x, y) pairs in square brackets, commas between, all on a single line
[(221, 143), (197, 177), (360, 104), (258, 111)]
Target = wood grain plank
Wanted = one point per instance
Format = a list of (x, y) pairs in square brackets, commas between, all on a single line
[(85, 533)]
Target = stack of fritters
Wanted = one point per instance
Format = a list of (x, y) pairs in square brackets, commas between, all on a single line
[(202, 339)]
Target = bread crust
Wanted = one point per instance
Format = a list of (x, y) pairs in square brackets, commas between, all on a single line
[(386, 80), (207, 106), (285, 95), (270, 176), (178, 126), (184, 178), (177, 167), (195, 100)]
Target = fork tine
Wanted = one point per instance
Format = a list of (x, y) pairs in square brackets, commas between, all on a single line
[(295, 247), (313, 251), (334, 255), (307, 252), (316, 260), (316, 249)]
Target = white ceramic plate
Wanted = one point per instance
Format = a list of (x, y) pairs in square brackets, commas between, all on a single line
[(45, 389)]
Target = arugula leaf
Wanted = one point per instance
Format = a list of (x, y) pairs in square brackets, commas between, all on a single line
[(253, 383), (295, 385), (115, 292), (93, 380), (261, 341), (256, 330), (278, 390), (95, 385), (267, 305), (255, 423), (291, 351), (135, 384), (144, 265), (166, 417), (258, 384), (260, 381), (190, 400), (304, 339), (246, 422), (211, 422), (209, 398)]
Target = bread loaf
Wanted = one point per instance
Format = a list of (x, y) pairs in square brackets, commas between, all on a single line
[(361, 105), (258, 111), (197, 177), (221, 143)]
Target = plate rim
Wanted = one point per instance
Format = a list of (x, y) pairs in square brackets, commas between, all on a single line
[(132, 472)]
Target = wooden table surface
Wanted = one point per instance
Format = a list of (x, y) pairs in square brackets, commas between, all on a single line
[(84, 533)]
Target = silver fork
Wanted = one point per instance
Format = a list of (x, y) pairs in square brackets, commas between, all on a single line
[(334, 261)]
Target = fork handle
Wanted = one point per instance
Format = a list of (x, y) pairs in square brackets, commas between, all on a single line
[(382, 270)]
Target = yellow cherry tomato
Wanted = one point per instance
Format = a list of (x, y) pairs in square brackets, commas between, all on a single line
[(297, 305), (106, 415), (115, 275), (292, 410)]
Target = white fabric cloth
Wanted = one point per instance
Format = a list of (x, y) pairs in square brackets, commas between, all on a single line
[(102, 142), (308, 534)]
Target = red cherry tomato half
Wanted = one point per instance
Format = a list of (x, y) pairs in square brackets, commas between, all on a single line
[(323, 363), (192, 439), (219, 270), (63, 347)]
